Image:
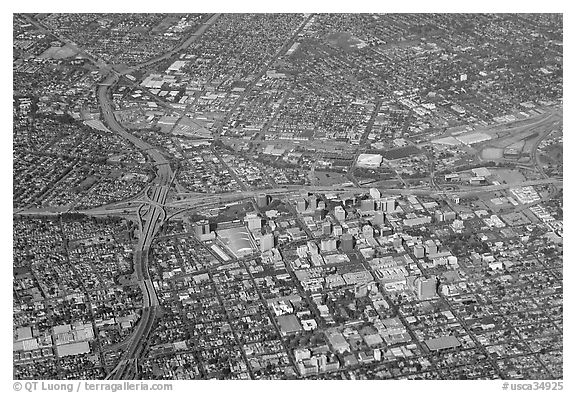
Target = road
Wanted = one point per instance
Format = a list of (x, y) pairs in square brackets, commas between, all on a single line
[(151, 219), (196, 200)]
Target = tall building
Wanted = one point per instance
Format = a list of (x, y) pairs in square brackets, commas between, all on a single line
[(328, 244), (367, 231), (339, 213), (254, 221), (439, 216), (322, 362), (326, 228), (390, 205), (347, 242), (419, 251), (367, 205), (262, 200), (198, 229), (426, 287), (312, 247), (338, 230), (312, 202), (301, 205), (202, 227), (431, 247), (267, 242), (378, 218)]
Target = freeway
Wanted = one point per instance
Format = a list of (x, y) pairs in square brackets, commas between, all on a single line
[(196, 200), (228, 197), (150, 220)]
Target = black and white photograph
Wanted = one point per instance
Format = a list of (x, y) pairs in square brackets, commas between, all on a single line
[(286, 196)]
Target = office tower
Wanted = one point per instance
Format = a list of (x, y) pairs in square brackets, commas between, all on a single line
[(202, 227), (367, 231), (262, 200), (426, 287), (419, 251), (328, 244), (326, 228), (367, 205), (439, 216), (378, 218), (347, 242), (339, 213), (390, 205), (337, 230), (254, 221), (267, 242), (312, 247), (301, 205), (312, 202), (431, 247)]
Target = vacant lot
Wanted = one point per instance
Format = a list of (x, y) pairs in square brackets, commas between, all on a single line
[(330, 178), (508, 176), (58, 52), (402, 152), (492, 153)]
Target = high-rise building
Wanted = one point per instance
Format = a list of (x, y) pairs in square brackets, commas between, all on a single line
[(367, 231), (203, 231), (301, 205), (326, 228), (328, 244), (262, 200), (419, 251), (254, 221), (347, 242), (439, 216), (312, 247), (390, 205), (202, 227), (431, 247), (312, 202), (426, 287), (378, 218), (322, 362), (339, 213), (338, 230), (267, 242), (367, 205)]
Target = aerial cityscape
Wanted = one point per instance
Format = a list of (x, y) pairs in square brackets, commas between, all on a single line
[(287, 196)]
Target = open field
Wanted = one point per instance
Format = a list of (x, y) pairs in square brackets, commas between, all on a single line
[(59, 52), (492, 153), (330, 178)]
